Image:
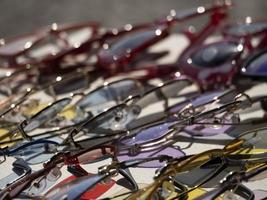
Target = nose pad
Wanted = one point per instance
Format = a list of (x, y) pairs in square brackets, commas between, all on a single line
[(54, 174)]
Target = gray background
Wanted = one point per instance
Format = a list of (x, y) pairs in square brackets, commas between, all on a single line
[(22, 16)]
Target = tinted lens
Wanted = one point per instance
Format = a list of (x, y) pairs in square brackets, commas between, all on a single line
[(169, 151), (213, 127), (176, 89), (148, 134), (46, 114), (35, 153), (108, 96), (252, 124), (246, 29), (18, 45), (78, 36), (257, 66), (76, 81), (47, 47), (126, 44), (202, 169), (203, 99), (115, 118), (257, 139), (151, 106), (215, 55), (95, 155), (74, 189), (93, 193)]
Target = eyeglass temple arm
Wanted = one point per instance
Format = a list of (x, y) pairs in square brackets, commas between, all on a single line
[(131, 163), (128, 176), (180, 16)]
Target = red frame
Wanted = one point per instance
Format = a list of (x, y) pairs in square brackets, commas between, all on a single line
[(51, 64)]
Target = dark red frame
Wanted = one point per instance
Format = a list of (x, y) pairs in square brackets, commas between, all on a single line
[(122, 63), (224, 74), (51, 64)]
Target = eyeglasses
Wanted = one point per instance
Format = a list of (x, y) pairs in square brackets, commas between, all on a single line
[(46, 45), (233, 183), (52, 167), (98, 100), (125, 51), (231, 122), (219, 62), (254, 68), (200, 160), (62, 43), (119, 117), (86, 183)]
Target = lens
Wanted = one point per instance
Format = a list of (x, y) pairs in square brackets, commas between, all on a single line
[(107, 96), (78, 82), (47, 47), (95, 155), (160, 99), (213, 127), (17, 45), (125, 45), (245, 29), (203, 99), (256, 66), (113, 119), (64, 84), (172, 152), (148, 134), (214, 55), (46, 114), (199, 171), (93, 193), (78, 35), (34, 153), (256, 139), (176, 89), (75, 188)]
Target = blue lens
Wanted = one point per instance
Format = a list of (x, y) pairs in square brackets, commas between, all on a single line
[(34, 152), (257, 66), (246, 29), (215, 54)]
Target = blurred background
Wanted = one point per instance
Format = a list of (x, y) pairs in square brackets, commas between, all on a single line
[(19, 17)]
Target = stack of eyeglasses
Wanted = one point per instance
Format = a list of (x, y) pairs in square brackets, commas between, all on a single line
[(93, 113)]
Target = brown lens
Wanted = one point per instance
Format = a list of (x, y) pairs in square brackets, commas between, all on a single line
[(95, 155)]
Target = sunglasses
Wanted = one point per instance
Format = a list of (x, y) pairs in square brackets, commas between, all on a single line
[(232, 184), (52, 167), (86, 183), (45, 46), (232, 122), (119, 45), (200, 160), (254, 69), (90, 104)]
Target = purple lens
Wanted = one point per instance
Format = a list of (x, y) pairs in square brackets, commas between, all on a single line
[(208, 129), (257, 66), (201, 100), (148, 134), (170, 151)]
